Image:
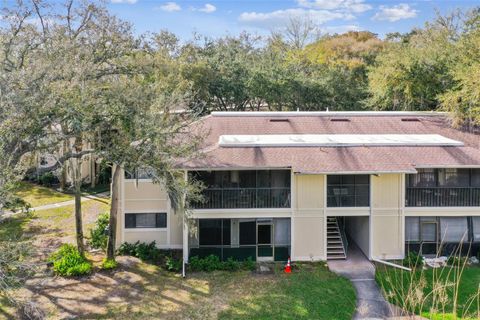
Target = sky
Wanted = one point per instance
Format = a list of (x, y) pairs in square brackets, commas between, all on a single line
[(221, 17), (230, 17)]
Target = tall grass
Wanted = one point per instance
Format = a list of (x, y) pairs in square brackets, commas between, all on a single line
[(449, 292)]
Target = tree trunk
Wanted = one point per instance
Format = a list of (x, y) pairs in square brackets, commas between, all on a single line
[(63, 175), (112, 228), (78, 204)]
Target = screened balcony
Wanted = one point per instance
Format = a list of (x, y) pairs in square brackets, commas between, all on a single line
[(443, 188), (243, 189)]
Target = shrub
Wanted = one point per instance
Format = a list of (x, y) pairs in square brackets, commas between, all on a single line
[(195, 263), (141, 250), (17, 203), (109, 264), (172, 264), (147, 252), (249, 264), (47, 179), (67, 261), (231, 265), (127, 249), (412, 260), (99, 233), (212, 262)]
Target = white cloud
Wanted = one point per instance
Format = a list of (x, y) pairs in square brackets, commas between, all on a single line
[(356, 6), (395, 13), (170, 7), (124, 1), (339, 29), (208, 8), (281, 17)]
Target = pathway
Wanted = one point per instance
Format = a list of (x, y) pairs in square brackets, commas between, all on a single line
[(97, 196), (361, 272)]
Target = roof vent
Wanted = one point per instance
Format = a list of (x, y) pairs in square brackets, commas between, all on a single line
[(279, 120), (410, 119), (340, 120)]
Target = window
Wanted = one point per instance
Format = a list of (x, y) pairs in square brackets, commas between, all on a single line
[(248, 232), (348, 190), (214, 232), (453, 229), (146, 220)]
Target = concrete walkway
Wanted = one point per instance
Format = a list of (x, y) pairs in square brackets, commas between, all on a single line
[(370, 302), (97, 196)]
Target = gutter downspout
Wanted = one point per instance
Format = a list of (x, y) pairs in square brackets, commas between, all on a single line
[(392, 264)]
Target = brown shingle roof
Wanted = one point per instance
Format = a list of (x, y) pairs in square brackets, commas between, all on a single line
[(334, 159)]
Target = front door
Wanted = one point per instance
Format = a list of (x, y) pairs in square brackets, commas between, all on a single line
[(265, 241)]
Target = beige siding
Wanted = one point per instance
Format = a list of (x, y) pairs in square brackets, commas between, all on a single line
[(308, 220), (146, 196), (387, 216), (159, 236)]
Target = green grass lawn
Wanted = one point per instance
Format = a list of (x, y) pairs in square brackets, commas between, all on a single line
[(432, 293), (38, 196), (311, 292)]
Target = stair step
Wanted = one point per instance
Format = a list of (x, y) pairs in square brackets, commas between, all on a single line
[(336, 258), (334, 237), (335, 247)]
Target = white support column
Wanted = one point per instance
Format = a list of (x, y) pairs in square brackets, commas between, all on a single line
[(185, 234), (293, 204), (185, 239)]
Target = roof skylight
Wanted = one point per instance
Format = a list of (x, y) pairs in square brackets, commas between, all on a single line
[(336, 140)]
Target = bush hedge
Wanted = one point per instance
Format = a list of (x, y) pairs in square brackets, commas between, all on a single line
[(99, 233), (212, 262), (67, 261), (150, 252)]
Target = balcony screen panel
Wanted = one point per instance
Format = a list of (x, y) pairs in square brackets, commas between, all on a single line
[(248, 233), (453, 229), (412, 229), (273, 179), (453, 177), (226, 230), (282, 232), (348, 190), (210, 232), (428, 229), (476, 228), (424, 178), (475, 179)]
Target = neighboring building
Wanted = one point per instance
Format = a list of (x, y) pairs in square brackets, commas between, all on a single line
[(300, 184)]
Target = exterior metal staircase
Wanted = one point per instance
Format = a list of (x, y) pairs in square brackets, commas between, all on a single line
[(336, 240)]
